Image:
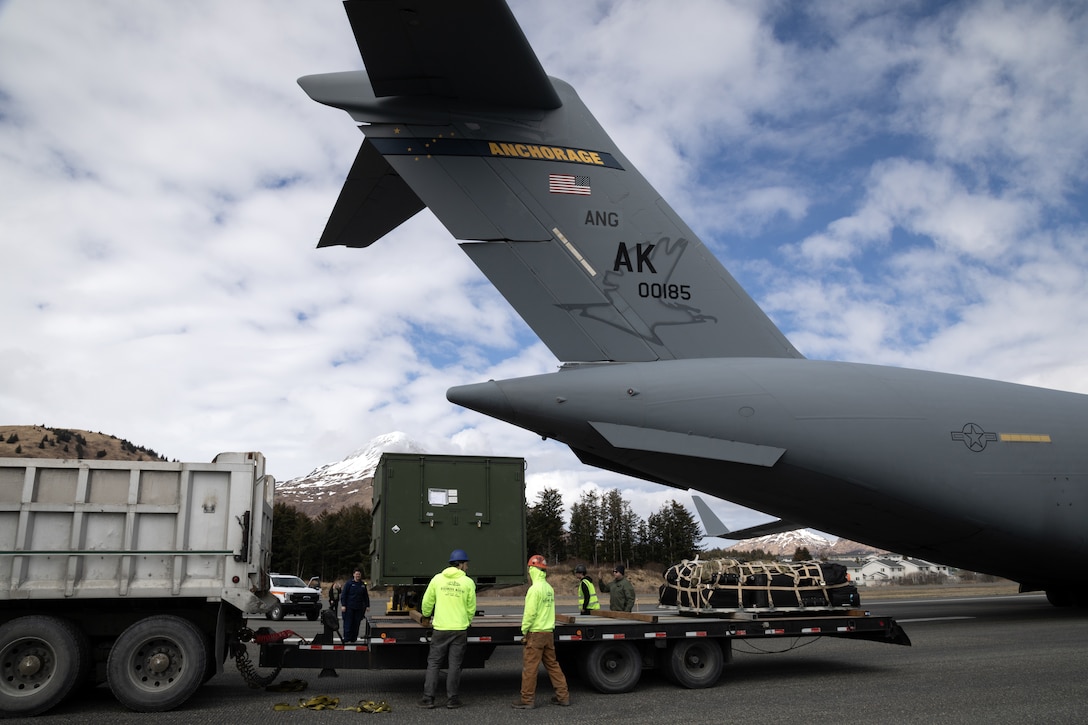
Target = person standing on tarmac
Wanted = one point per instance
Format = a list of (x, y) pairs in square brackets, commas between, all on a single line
[(622, 591), (537, 625), (354, 603), (334, 594), (587, 593), (451, 600)]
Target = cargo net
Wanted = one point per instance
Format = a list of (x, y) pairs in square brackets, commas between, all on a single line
[(715, 584)]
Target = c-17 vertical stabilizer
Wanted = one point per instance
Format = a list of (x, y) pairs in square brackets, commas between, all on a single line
[(718, 530), (571, 233), (696, 388)]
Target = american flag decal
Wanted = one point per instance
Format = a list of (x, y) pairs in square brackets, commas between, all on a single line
[(568, 184)]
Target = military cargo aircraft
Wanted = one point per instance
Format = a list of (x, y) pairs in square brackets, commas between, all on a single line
[(671, 373)]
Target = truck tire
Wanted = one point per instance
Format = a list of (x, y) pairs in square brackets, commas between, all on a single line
[(313, 614), (612, 667), (157, 663), (694, 663), (276, 612), (41, 661)]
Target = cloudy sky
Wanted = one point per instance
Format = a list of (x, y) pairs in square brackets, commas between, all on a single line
[(895, 182)]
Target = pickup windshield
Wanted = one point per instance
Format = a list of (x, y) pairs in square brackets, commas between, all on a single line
[(288, 581)]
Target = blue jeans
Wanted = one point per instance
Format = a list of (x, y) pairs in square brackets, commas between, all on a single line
[(445, 644)]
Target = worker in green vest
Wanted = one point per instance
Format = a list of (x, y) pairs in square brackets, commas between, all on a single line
[(587, 593), (450, 604)]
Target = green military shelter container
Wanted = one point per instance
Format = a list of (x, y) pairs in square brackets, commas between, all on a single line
[(425, 506)]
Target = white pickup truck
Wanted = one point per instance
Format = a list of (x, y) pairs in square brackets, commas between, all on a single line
[(293, 596)]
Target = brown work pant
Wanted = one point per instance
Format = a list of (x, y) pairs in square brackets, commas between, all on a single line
[(540, 647)]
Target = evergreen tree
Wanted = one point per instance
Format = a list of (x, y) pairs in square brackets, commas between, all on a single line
[(293, 540), (618, 526), (329, 547), (801, 554), (544, 525), (644, 550), (347, 543), (674, 534), (585, 527)]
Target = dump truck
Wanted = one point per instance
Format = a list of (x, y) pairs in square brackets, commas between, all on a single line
[(137, 574)]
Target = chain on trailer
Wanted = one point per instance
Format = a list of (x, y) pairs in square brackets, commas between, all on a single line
[(245, 665)]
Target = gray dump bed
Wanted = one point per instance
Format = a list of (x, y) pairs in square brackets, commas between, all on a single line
[(81, 529)]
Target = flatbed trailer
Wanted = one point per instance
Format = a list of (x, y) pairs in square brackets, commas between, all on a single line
[(609, 650)]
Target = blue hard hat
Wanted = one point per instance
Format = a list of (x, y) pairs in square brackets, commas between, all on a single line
[(458, 555)]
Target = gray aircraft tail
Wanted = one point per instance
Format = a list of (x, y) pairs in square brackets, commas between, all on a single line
[(716, 529), (461, 118)]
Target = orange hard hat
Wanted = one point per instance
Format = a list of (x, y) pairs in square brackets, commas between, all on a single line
[(538, 561)]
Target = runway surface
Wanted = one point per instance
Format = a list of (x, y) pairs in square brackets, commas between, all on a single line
[(1006, 659)]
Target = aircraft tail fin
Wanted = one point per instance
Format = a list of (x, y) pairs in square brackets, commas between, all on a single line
[(574, 237), (716, 529)]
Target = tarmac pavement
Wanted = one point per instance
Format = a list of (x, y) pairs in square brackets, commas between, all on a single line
[(1008, 659)]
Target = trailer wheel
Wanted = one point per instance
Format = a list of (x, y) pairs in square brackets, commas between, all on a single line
[(694, 663), (157, 664), (41, 661), (612, 667), (276, 612)]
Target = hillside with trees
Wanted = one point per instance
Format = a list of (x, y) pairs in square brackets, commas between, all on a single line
[(41, 441)]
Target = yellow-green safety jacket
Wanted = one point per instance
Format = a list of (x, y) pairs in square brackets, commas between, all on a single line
[(587, 595), (451, 599), (539, 613)]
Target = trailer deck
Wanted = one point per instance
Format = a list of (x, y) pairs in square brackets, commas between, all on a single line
[(608, 649)]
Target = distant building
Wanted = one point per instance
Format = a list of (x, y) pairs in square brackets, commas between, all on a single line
[(888, 568)]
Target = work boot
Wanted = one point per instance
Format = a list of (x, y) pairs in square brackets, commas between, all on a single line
[(519, 705), (427, 702), (453, 703), (561, 703)]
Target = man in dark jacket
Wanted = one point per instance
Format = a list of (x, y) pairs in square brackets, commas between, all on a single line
[(354, 603), (622, 591)]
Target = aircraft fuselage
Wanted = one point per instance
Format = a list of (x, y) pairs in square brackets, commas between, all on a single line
[(969, 472)]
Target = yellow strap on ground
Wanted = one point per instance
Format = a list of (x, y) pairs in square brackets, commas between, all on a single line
[(324, 702)]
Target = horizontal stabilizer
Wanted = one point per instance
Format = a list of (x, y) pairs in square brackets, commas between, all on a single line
[(470, 51), (681, 444), (715, 528)]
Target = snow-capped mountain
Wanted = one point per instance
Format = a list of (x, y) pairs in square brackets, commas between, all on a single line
[(785, 543), (346, 482)]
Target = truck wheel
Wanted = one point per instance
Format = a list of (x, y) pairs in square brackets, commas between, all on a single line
[(312, 614), (41, 660), (157, 664), (694, 663), (612, 667), (276, 612)]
